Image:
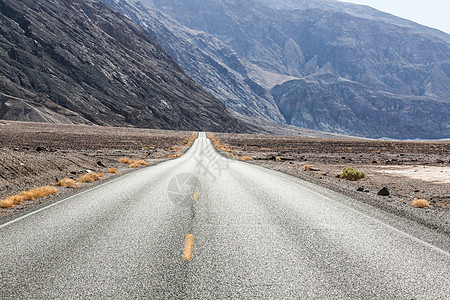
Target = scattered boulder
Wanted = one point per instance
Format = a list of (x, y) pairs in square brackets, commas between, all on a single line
[(39, 149), (383, 192), (99, 163), (360, 189)]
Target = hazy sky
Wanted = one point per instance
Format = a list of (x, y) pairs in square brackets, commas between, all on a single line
[(431, 13)]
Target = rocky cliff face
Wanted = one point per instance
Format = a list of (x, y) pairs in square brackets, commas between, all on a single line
[(82, 62), (391, 58), (207, 60), (333, 104)]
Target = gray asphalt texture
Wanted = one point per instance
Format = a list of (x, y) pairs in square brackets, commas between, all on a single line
[(258, 234)]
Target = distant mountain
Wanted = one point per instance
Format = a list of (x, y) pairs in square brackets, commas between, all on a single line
[(81, 62), (326, 65)]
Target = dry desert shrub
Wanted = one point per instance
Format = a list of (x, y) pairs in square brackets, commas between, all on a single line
[(308, 167), (142, 162), (245, 157), (112, 170), (125, 160), (89, 177), (32, 194), (101, 174), (420, 203), (352, 174), (175, 155), (38, 192), (137, 163), (67, 182), (134, 165), (11, 201)]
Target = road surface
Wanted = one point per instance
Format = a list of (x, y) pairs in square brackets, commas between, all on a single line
[(205, 227)]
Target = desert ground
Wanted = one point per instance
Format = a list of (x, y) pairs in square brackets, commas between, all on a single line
[(40, 154), (37, 154), (409, 170)]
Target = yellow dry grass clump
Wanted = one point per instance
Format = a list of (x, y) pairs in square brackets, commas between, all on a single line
[(245, 157), (420, 203), (11, 201), (191, 140), (137, 163), (38, 192), (101, 174), (89, 177), (218, 145), (132, 163), (125, 160), (308, 167), (32, 194), (175, 155), (67, 182), (112, 170)]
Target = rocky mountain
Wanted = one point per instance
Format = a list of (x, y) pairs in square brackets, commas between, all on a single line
[(325, 64), (207, 60), (82, 62)]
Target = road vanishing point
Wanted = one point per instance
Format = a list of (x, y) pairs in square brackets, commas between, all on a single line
[(207, 227)]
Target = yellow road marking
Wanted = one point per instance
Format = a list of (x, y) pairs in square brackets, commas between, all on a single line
[(195, 196), (188, 247)]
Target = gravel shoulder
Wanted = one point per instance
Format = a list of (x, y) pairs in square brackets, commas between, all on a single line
[(39, 154), (409, 170)]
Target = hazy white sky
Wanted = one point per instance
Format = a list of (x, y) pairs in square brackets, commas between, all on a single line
[(431, 13)]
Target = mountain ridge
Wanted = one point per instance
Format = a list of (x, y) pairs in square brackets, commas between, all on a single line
[(91, 62), (400, 62)]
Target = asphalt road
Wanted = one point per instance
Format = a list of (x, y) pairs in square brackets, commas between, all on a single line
[(205, 227)]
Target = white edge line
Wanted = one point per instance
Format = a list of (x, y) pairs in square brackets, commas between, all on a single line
[(61, 201), (381, 222), (295, 181), (76, 195)]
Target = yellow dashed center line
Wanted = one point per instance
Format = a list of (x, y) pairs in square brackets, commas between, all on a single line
[(188, 247), (195, 196)]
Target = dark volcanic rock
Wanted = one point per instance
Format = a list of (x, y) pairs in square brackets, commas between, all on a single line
[(383, 192), (381, 67), (82, 62)]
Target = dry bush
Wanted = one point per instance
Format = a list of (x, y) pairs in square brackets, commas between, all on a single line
[(142, 162), (11, 201), (134, 165), (101, 174), (277, 158), (245, 157), (308, 167), (89, 177), (38, 192), (112, 170), (32, 194), (420, 203), (175, 155), (352, 174), (67, 182), (219, 145), (125, 160), (137, 163)]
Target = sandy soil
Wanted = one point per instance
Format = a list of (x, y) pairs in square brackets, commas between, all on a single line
[(409, 170), (37, 154)]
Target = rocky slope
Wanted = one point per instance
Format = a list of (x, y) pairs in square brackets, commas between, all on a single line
[(207, 60), (405, 66), (81, 62)]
